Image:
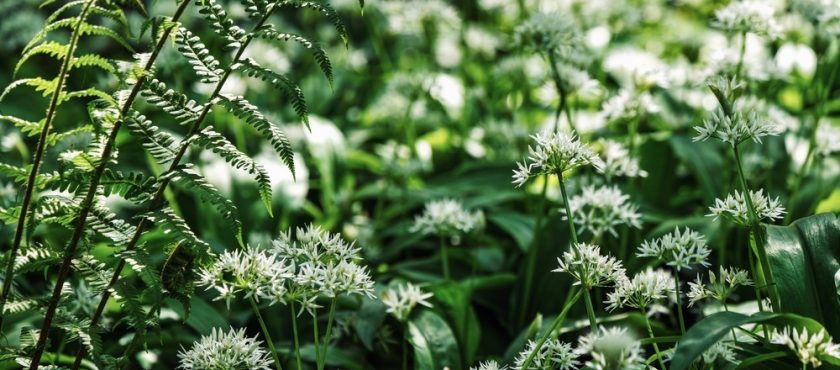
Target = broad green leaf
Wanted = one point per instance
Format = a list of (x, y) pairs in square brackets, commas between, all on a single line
[(370, 317), (805, 258), (203, 317), (433, 342), (454, 299), (704, 162), (520, 227)]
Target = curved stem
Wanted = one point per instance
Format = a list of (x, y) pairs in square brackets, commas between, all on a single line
[(569, 215), (741, 55), (316, 338), (327, 334), (590, 312), (295, 333), (655, 346), (531, 256), (554, 325), (32, 179), (267, 335), (678, 290), (444, 258)]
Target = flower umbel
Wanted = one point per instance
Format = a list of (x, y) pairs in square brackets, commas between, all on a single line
[(401, 301), (618, 162), (734, 207), (554, 153), (588, 267), (756, 16), (489, 365), (807, 347), (254, 272), (448, 218), (646, 288), (612, 349), (736, 128), (220, 350), (679, 249), (720, 286), (603, 209), (553, 354)]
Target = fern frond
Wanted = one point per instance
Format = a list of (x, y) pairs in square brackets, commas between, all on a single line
[(18, 306), (36, 257), (324, 9), (252, 116), (50, 48), (184, 110), (174, 225), (56, 137), (46, 87), (204, 64), (87, 93), (27, 127), (216, 15), (289, 89), (161, 145), (106, 223), (320, 55), (139, 262), (92, 60), (215, 142), (192, 180), (255, 8), (95, 273), (87, 29)]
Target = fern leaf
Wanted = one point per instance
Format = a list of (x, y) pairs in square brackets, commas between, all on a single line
[(220, 23), (328, 12), (174, 225), (252, 116), (87, 29), (255, 8), (140, 262), (94, 272), (215, 142), (46, 87), (289, 89), (87, 93), (192, 180), (205, 65), (320, 55), (50, 48), (27, 127), (35, 257), (161, 145), (184, 110), (106, 223), (92, 60)]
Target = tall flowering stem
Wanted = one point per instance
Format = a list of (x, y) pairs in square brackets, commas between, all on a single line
[(295, 333), (327, 335), (267, 335), (531, 256), (554, 325), (652, 336)]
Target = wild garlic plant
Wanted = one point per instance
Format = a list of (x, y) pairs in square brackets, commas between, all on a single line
[(450, 222), (400, 302)]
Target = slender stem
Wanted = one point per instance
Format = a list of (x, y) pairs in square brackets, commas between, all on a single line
[(678, 290), (295, 333), (444, 258), (32, 179), (563, 97), (328, 333), (531, 256), (741, 55), (405, 347), (655, 346), (267, 335), (554, 325), (569, 215), (726, 308), (316, 336), (587, 297)]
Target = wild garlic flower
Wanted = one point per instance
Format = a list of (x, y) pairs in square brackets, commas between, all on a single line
[(735, 129), (828, 139), (553, 33), (612, 349), (589, 267), (489, 365), (617, 160), (734, 207), (629, 104), (448, 218), (720, 286), (398, 161), (679, 249), (807, 347), (401, 301), (555, 153), (553, 355), (256, 273), (220, 350), (646, 288), (603, 209), (722, 350), (756, 16)]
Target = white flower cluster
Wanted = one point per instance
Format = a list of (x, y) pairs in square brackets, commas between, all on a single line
[(679, 249), (589, 267), (401, 301), (448, 218), (603, 209), (828, 139), (807, 347), (734, 207), (554, 153), (489, 365), (629, 104), (646, 288), (735, 129), (220, 350), (720, 287), (553, 354), (721, 350), (554, 33), (398, 162), (617, 160), (613, 348), (756, 16), (256, 273)]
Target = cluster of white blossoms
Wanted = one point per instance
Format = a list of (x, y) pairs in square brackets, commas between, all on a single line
[(447, 218), (722, 350), (589, 268), (552, 355), (679, 249), (254, 272), (644, 289), (808, 347), (629, 104), (734, 207), (617, 160), (220, 350), (603, 209), (554, 153), (719, 287), (827, 139), (489, 365), (735, 129), (401, 301), (612, 349), (756, 16), (398, 161), (554, 33)]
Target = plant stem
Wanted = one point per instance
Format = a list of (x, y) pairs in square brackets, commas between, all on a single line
[(587, 297), (655, 346), (327, 334), (531, 256), (316, 338), (741, 55), (32, 179), (444, 258), (678, 290), (569, 215), (405, 347), (267, 335), (295, 333), (554, 325)]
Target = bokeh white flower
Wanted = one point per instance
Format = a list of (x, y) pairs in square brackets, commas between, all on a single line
[(555, 153), (447, 218), (401, 301), (225, 350)]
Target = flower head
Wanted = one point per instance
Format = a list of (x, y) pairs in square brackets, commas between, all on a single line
[(617, 160), (679, 249), (553, 153), (722, 350), (255, 273), (589, 268), (735, 208), (555, 34), (756, 16), (629, 104), (553, 354), (828, 139), (735, 129), (646, 288), (401, 301), (719, 287), (220, 350), (612, 349), (807, 347), (600, 210), (448, 218), (489, 365)]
